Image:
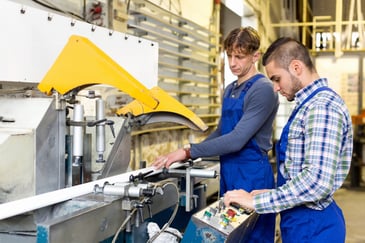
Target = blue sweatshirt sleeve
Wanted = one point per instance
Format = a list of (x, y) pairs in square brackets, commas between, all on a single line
[(260, 103)]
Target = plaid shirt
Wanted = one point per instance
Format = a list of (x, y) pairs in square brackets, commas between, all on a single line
[(318, 154)]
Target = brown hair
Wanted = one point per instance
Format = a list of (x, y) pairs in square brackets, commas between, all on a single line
[(245, 40)]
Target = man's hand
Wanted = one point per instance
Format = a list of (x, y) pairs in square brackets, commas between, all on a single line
[(168, 159), (240, 197), (255, 192)]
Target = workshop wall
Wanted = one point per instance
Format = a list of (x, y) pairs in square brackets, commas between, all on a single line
[(189, 68), (343, 77)]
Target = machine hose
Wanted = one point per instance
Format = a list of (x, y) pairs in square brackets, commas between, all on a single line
[(123, 224), (163, 229)]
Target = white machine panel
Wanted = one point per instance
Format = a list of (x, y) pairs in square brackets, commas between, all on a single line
[(32, 39)]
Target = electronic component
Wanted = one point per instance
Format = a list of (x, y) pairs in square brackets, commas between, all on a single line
[(217, 223)]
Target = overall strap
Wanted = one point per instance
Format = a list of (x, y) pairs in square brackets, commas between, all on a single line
[(252, 81), (293, 114), (283, 142)]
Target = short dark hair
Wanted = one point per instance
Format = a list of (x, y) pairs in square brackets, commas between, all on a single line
[(286, 49), (244, 39)]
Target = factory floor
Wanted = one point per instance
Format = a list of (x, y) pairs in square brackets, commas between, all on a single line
[(352, 202)]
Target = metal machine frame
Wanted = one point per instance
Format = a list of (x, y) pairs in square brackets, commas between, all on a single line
[(80, 207)]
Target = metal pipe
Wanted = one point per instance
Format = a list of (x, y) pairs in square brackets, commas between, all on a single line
[(195, 173), (324, 23), (188, 191), (304, 18), (338, 29), (100, 130), (78, 135)]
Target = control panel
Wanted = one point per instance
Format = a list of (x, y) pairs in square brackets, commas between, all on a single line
[(224, 219), (217, 223)]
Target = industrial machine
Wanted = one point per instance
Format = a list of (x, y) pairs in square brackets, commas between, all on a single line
[(65, 139)]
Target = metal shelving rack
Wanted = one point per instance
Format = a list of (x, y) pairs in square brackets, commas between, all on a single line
[(188, 56)]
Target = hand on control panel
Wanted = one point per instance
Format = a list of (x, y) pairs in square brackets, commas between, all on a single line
[(240, 197)]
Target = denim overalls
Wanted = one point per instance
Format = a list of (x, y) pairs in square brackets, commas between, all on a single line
[(302, 224), (249, 168)]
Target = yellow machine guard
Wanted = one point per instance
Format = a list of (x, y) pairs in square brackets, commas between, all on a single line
[(82, 64), (166, 104)]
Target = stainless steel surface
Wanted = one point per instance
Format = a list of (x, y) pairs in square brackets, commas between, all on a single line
[(29, 148), (119, 156), (212, 184), (203, 173), (92, 217), (100, 130), (194, 173), (53, 133), (78, 135), (101, 214)]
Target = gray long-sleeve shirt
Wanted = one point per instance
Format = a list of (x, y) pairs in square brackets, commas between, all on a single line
[(260, 107)]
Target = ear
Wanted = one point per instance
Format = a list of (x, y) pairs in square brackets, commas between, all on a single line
[(256, 56), (296, 67)]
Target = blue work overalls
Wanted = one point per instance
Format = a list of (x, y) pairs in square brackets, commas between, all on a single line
[(302, 224), (249, 168)]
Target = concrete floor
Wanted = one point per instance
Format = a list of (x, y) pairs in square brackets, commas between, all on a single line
[(352, 202)]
